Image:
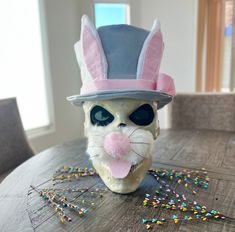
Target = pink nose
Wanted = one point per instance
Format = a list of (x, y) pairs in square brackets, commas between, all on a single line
[(117, 144)]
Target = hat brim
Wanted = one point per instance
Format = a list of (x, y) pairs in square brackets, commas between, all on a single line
[(161, 98)]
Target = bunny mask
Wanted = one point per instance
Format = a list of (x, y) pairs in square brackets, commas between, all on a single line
[(121, 92), (121, 133)]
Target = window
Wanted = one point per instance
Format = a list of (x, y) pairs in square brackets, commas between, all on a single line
[(21, 61), (111, 13)]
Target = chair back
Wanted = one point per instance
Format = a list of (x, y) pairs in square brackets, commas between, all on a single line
[(14, 147), (212, 111)]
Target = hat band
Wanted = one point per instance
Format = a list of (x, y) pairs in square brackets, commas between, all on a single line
[(117, 85)]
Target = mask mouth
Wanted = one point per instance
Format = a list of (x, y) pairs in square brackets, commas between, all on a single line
[(134, 167), (126, 184), (120, 169)]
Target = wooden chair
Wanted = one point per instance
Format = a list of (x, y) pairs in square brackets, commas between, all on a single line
[(212, 111), (14, 148)]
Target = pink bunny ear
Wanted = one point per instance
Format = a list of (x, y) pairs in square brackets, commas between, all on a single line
[(151, 54), (166, 84), (92, 52)]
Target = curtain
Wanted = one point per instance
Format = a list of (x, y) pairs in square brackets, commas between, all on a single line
[(232, 82), (210, 45)]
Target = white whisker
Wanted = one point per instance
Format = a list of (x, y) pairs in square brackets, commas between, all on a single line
[(134, 131), (137, 154), (140, 143)]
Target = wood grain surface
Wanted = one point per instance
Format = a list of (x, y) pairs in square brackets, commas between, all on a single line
[(21, 208)]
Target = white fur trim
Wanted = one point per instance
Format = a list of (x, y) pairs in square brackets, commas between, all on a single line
[(141, 144)]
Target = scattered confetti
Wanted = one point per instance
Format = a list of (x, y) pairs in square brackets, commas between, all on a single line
[(55, 196), (167, 198), (164, 197)]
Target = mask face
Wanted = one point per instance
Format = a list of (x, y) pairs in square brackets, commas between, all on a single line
[(120, 137)]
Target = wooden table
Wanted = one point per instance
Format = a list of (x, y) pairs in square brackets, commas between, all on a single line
[(21, 209)]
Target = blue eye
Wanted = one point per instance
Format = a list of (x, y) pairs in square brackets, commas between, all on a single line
[(100, 116), (143, 115)]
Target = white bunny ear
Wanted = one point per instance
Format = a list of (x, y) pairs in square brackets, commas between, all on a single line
[(151, 54), (90, 53)]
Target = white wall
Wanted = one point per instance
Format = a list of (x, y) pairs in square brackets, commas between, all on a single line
[(178, 23), (61, 29)]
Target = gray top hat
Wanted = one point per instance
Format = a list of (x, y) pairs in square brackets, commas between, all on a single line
[(121, 61)]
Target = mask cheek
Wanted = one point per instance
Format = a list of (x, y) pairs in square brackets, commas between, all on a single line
[(141, 147)]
